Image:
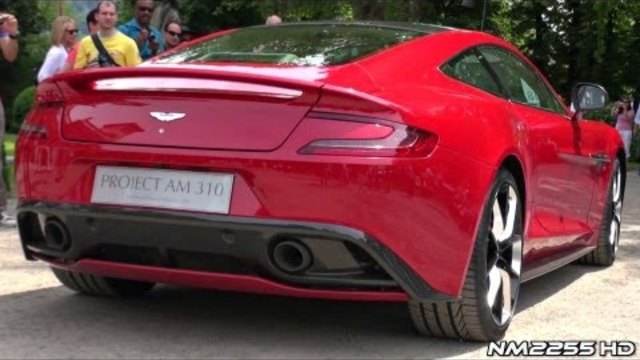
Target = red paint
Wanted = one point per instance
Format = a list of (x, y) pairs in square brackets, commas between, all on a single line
[(224, 282)]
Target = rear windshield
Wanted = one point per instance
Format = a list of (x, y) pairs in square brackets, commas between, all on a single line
[(301, 45)]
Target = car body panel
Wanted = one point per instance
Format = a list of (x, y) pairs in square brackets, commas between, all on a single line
[(382, 195)]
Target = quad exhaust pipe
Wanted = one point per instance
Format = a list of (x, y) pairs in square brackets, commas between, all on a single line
[(291, 256), (56, 235)]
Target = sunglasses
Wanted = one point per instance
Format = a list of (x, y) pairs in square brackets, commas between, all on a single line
[(72, 31), (173, 33), (145, 9)]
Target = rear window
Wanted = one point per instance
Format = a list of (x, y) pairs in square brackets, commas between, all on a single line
[(301, 45)]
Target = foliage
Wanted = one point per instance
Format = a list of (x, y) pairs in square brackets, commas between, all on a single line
[(577, 40), (206, 16), (570, 40), (21, 106), (34, 17)]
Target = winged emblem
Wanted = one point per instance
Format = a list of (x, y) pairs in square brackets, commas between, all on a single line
[(166, 116)]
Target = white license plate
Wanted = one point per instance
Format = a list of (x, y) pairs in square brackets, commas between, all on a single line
[(167, 189)]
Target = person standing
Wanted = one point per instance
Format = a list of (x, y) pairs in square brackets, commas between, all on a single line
[(63, 38), (92, 28), (273, 20), (9, 35), (172, 34), (624, 115), (121, 50), (149, 39)]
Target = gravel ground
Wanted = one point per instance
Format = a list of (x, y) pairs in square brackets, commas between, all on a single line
[(41, 319)]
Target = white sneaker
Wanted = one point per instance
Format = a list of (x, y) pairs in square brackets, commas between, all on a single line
[(7, 221)]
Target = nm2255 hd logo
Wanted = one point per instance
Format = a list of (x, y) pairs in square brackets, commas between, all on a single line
[(562, 348)]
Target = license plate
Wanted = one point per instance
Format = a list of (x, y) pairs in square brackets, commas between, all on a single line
[(167, 189)]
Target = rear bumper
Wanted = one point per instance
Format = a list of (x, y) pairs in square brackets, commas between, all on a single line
[(423, 210), (220, 252)]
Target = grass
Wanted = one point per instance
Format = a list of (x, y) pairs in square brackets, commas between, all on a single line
[(10, 144), (10, 150)]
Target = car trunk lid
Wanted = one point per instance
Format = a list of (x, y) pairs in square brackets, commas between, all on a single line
[(184, 107)]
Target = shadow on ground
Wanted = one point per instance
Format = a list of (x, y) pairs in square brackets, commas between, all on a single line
[(539, 289), (173, 322)]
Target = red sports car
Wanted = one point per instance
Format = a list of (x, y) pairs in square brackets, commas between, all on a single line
[(355, 161)]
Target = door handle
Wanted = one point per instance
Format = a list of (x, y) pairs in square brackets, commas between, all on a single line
[(600, 158)]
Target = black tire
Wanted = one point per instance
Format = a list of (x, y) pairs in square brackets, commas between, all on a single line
[(605, 252), (471, 317), (101, 286)]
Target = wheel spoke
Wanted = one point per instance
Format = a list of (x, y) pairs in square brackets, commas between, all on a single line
[(504, 216), (614, 233), (506, 296), (498, 224), (617, 212), (495, 281), (512, 206), (616, 216), (515, 265), (616, 191)]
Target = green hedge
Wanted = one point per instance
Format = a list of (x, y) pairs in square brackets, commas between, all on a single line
[(21, 106)]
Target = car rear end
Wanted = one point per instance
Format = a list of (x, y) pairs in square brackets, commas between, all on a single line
[(235, 179)]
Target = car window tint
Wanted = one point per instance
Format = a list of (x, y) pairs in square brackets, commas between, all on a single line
[(297, 45), (468, 68), (521, 82)]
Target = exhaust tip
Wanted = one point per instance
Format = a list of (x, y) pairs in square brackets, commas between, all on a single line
[(56, 235), (291, 256)]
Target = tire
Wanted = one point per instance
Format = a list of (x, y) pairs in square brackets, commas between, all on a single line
[(101, 286), (609, 236), (496, 261)]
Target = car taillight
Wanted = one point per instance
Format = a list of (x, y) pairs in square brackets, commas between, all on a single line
[(374, 137), (48, 96), (33, 131)]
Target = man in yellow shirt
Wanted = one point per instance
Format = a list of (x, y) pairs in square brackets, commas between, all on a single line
[(123, 50)]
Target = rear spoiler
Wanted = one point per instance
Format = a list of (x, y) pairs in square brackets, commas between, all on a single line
[(85, 79)]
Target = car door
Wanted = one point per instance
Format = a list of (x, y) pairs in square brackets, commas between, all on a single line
[(561, 180)]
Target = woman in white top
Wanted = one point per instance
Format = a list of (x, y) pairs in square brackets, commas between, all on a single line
[(623, 113), (63, 38)]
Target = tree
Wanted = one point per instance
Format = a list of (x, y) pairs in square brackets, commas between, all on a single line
[(34, 18)]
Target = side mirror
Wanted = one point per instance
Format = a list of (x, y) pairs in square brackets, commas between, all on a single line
[(586, 97)]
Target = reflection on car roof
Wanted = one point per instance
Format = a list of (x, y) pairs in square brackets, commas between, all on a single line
[(418, 27)]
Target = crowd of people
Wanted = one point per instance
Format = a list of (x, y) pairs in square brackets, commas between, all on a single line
[(108, 44)]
